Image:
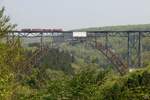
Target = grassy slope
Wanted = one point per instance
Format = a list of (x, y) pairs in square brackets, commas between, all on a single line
[(118, 28)]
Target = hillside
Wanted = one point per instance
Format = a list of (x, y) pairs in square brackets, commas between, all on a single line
[(72, 71), (117, 28)]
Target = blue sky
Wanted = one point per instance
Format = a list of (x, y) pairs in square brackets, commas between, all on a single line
[(72, 14)]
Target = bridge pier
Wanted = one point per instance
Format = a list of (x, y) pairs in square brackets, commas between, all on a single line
[(140, 50), (129, 51), (41, 41), (134, 49), (95, 37), (106, 42)]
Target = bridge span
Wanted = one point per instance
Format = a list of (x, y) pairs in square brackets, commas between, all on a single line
[(133, 40)]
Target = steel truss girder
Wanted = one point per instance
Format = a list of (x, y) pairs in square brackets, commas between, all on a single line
[(66, 33), (106, 34)]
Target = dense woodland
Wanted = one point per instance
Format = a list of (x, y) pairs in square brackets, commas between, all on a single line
[(67, 73)]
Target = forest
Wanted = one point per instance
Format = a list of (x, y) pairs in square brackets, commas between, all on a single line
[(84, 76)]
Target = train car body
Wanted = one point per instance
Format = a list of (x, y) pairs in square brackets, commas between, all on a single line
[(41, 30), (26, 30), (57, 30)]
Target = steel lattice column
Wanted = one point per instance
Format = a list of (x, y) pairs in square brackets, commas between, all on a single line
[(41, 41), (129, 51), (134, 56), (140, 49), (106, 41)]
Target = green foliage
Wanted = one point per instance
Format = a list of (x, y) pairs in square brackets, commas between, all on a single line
[(5, 24), (9, 60), (56, 79), (58, 59), (90, 83)]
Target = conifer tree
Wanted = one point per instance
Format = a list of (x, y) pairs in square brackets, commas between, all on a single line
[(5, 24)]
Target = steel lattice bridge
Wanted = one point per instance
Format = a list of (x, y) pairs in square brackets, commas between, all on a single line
[(134, 41)]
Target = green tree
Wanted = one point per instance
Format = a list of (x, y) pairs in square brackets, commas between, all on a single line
[(8, 57), (5, 24)]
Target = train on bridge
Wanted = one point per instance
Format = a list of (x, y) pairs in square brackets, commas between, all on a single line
[(133, 39), (41, 30)]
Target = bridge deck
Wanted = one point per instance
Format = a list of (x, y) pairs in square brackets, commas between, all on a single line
[(130, 31)]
